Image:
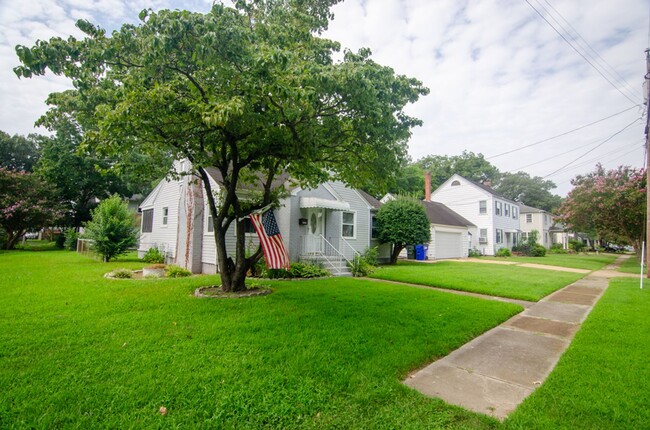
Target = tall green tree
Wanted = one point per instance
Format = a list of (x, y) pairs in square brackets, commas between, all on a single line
[(531, 191), (611, 203), (469, 165), (19, 152), (402, 222), (251, 90), (26, 203), (112, 229)]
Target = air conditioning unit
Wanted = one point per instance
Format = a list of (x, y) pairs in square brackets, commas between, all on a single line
[(482, 240)]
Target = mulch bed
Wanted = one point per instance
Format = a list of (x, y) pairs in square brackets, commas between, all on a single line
[(215, 292)]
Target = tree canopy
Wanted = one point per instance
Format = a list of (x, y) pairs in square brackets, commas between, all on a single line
[(26, 203), (403, 222), (531, 191), (469, 165), (251, 90), (610, 203), (18, 152)]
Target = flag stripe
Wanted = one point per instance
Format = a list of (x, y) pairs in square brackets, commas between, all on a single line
[(275, 253)]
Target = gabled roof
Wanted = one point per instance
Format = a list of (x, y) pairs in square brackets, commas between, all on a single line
[(437, 213), (258, 185), (488, 189), (370, 199), (524, 209)]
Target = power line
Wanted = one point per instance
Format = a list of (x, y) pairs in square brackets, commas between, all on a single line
[(594, 148), (554, 156), (615, 75), (560, 135), (580, 53)]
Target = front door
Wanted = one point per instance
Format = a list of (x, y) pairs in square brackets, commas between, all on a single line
[(315, 230)]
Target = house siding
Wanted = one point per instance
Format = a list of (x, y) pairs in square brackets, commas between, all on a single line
[(464, 200), (542, 222)]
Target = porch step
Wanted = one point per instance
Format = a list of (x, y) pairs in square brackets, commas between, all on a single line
[(336, 266)]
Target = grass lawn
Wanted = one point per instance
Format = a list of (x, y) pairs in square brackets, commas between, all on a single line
[(503, 281), (575, 261), (601, 381), (631, 265), (81, 351)]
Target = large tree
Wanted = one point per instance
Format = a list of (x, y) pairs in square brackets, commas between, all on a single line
[(251, 90), (469, 165), (610, 203), (19, 152), (531, 191), (26, 203)]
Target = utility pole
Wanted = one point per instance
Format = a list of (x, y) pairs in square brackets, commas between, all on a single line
[(647, 161)]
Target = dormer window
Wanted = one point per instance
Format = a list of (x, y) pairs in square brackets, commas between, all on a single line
[(455, 183)]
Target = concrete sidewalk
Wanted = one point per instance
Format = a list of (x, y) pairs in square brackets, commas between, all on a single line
[(496, 371)]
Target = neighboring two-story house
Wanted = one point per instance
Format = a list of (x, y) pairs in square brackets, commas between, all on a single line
[(530, 219), (495, 218)]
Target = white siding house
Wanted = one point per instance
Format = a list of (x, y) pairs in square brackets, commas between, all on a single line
[(530, 219), (329, 224), (495, 218)]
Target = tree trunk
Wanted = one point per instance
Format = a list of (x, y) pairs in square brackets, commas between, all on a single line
[(396, 250), (12, 238)]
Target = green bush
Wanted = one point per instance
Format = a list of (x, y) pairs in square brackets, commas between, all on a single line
[(359, 266), (176, 272), (503, 252), (306, 270), (112, 228), (153, 255), (557, 248), (70, 242), (122, 274), (537, 251), (59, 241), (476, 253), (577, 245), (372, 255)]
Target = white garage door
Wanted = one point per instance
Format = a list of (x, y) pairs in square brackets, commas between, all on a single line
[(448, 245)]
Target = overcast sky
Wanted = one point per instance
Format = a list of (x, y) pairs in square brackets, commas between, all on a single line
[(500, 76)]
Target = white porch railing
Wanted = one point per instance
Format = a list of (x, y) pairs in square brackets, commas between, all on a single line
[(318, 248)]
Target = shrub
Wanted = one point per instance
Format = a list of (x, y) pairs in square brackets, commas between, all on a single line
[(359, 266), (59, 241), (577, 245), (122, 274), (307, 270), (476, 253), (537, 251), (153, 255), (371, 255), (112, 228), (71, 237), (557, 248), (503, 252), (177, 272)]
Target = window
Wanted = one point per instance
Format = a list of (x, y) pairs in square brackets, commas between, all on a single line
[(524, 236), (506, 209), (514, 212), (209, 227), (455, 184), (483, 236), (165, 216), (248, 226), (374, 233), (147, 221), (529, 218), (497, 208), (347, 224), (499, 235), (482, 207)]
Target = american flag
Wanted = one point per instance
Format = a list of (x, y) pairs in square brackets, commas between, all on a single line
[(267, 230)]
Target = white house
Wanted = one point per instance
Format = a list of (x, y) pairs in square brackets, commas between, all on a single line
[(450, 236), (530, 219), (330, 223), (495, 218)]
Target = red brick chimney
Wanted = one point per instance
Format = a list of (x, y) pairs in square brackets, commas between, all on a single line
[(427, 186), (487, 183)]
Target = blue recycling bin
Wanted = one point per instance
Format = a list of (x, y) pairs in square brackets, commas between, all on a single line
[(420, 252)]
